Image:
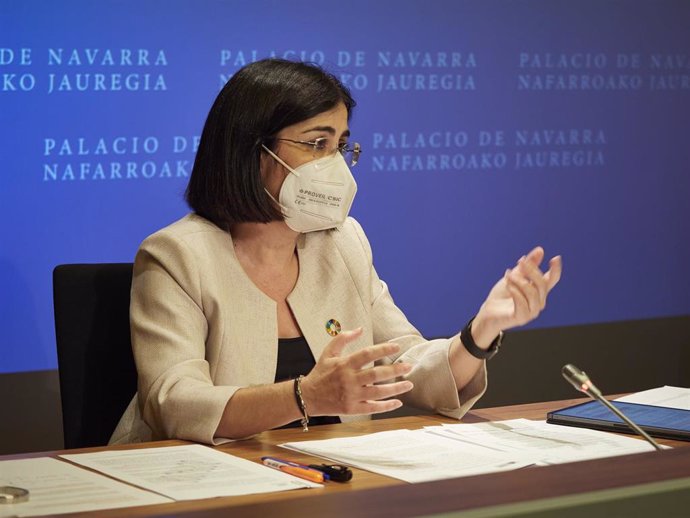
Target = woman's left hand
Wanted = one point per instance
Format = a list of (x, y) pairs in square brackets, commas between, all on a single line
[(517, 298)]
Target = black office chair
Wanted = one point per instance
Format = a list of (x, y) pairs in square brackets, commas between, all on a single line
[(97, 373)]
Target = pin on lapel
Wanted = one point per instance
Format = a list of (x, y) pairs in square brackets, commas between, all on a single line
[(333, 327)]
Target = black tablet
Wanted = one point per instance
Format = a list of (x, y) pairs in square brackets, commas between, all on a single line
[(657, 421)]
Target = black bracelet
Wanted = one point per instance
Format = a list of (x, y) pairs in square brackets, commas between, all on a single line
[(476, 351), (301, 404)]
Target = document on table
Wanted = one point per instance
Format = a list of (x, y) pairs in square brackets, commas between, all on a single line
[(456, 450), (57, 487), (411, 455), (543, 443), (669, 397), (189, 472)]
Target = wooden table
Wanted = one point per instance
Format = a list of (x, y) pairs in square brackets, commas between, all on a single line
[(369, 494)]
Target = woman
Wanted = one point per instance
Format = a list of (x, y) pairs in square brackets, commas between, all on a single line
[(254, 287)]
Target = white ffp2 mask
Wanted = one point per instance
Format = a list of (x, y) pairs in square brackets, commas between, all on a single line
[(316, 195)]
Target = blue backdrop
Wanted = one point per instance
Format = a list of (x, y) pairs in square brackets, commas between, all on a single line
[(487, 127)]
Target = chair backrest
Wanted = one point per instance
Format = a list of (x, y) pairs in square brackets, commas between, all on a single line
[(96, 367)]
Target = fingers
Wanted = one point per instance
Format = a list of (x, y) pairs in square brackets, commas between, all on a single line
[(383, 373), (527, 290), (544, 282), (522, 310), (385, 391), (529, 287), (536, 256), (535, 279), (373, 399), (371, 354), (342, 384), (554, 274), (379, 407), (335, 347)]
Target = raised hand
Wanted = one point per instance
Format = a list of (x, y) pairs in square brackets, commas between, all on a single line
[(518, 297), (340, 385)]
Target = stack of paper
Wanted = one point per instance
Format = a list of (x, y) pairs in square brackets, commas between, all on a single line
[(668, 397), (544, 443), (57, 487), (189, 472), (172, 473), (456, 450), (413, 456)]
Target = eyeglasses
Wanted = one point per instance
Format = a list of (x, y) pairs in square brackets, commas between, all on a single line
[(320, 147)]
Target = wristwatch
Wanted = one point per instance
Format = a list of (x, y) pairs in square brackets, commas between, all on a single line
[(474, 349)]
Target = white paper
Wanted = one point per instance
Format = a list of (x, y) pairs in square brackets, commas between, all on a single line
[(542, 442), (189, 472), (412, 456), (454, 450), (57, 487), (669, 397)]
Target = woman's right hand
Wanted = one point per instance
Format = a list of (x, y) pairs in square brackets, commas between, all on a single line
[(340, 385)]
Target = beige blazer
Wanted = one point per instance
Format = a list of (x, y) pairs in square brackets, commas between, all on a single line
[(201, 329)]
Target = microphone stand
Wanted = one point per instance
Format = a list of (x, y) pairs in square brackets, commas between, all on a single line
[(581, 382)]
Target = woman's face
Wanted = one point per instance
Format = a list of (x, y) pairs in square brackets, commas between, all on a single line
[(330, 125)]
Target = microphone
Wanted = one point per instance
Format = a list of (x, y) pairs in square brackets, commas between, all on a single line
[(581, 382)]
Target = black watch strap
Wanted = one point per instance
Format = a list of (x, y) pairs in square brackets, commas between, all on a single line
[(474, 349)]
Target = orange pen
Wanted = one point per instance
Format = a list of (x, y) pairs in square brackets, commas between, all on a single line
[(298, 470)]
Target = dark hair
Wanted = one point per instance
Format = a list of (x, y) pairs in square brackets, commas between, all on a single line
[(254, 105)]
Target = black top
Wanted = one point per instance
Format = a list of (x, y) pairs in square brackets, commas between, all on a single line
[(295, 359)]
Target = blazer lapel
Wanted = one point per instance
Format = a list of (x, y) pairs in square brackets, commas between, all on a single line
[(324, 292)]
